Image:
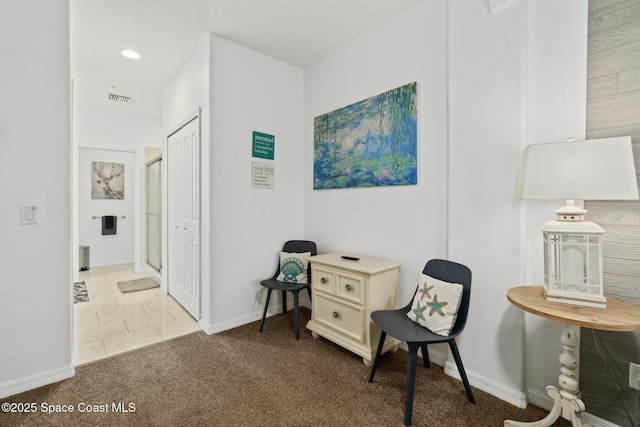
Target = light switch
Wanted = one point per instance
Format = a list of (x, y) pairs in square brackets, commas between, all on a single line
[(28, 215)]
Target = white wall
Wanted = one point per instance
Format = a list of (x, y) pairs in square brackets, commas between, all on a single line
[(482, 89), (486, 129), (98, 127), (35, 153), (517, 77), (404, 223), (251, 92), (109, 249)]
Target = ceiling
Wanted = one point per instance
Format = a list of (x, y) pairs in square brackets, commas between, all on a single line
[(166, 32)]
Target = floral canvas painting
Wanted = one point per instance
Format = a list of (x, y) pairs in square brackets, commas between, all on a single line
[(369, 143)]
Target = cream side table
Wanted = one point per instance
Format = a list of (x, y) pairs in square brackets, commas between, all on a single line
[(345, 292), (618, 316)]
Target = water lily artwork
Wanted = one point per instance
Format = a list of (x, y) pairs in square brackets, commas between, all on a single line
[(368, 143)]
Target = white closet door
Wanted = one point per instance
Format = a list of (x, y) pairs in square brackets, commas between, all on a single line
[(183, 243)]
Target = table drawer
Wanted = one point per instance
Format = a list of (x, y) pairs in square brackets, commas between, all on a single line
[(342, 317), (323, 279), (350, 287)]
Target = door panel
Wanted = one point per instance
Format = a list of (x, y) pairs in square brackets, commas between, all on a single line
[(183, 244)]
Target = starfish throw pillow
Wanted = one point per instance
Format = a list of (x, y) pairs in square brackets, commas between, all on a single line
[(293, 267), (436, 304)]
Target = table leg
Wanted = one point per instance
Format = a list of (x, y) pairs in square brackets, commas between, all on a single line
[(566, 401)]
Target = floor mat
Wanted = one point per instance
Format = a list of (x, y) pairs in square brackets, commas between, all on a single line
[(80, 293), (136, 285)]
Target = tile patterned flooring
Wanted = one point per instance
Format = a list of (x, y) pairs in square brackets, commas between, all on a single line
[(112, 322)]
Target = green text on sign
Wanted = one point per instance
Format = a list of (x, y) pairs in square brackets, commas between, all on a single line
[(262, 145)]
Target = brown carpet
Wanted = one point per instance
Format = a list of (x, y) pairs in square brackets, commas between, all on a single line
[(242, 377)]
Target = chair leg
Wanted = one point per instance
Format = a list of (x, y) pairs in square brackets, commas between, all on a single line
[(309, 292), (296, 314), (383, 335), (411, 382), (463, 374), (266, 307), (425, 356), (284, 301)]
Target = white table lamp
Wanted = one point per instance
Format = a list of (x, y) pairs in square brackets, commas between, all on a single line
[(595, 169)]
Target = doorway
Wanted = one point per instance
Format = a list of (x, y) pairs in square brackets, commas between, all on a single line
[(119, 108)]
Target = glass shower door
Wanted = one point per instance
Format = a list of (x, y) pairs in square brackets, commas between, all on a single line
[(154, 215)]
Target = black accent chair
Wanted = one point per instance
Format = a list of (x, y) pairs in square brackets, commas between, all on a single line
[(398, 325), (297, 246)]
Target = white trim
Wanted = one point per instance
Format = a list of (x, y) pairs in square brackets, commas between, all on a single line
[(215, 328), (108, 148), (507, 394), (30, 382), (274, 309), (494, 388)]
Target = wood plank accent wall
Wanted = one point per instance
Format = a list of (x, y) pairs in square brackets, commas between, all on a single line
[(613, 109)]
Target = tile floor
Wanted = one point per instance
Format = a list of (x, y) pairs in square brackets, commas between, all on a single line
[(112, 322)]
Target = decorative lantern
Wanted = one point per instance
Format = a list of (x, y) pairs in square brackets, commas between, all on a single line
[(573, 259), (596, 169)]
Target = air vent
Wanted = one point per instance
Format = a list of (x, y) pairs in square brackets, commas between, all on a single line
[(119, 98)]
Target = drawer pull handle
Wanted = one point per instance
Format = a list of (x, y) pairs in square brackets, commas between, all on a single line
[(347, 287), (323, 280), (335, 315)]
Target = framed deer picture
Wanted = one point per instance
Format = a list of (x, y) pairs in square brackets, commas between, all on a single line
[(107, 181)]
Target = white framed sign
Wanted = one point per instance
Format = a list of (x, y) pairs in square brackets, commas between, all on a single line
[(262, 175)]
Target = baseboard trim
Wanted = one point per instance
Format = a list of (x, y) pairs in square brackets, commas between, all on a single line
[(510, 395), (215, 328), (494, 388), (19, 385), (507, 394)]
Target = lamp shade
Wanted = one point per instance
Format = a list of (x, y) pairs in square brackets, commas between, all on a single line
[(594, 169)]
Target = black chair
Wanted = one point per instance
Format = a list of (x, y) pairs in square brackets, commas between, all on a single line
[(297, 246), (398, 325)]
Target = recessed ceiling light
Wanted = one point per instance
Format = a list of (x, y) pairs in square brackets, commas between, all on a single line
[(131, 54)]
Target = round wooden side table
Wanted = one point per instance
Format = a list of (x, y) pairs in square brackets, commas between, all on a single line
[(618, 316)]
